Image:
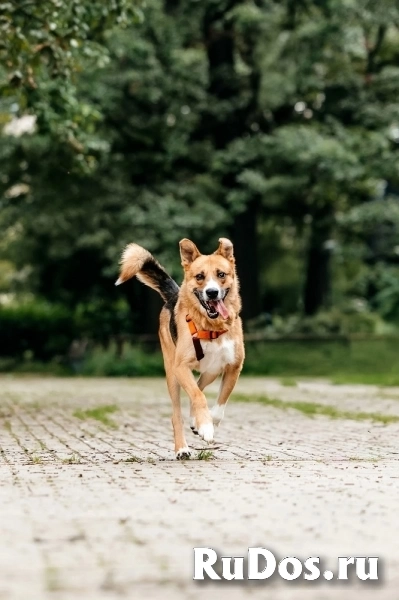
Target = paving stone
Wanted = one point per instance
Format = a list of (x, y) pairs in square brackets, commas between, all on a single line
[(101, 510)]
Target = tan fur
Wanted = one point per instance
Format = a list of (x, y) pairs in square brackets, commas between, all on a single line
[(180, 359), (133, 259)]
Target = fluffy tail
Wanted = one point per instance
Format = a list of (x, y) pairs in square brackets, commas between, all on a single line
[(136, 261)]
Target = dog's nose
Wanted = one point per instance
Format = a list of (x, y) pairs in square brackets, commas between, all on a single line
[(212, 293)]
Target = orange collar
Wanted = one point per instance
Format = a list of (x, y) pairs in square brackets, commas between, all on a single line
[(201, 335)]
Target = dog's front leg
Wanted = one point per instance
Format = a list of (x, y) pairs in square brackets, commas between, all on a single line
[(202, 419), (229, 380), (204, 380)]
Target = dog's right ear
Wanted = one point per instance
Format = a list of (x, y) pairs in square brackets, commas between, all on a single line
[(188, 252)]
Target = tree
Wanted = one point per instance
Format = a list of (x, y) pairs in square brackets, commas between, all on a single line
[(311, 86), (44, 45), (144, 183), (211, 118)]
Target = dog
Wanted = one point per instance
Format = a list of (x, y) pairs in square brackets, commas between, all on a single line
[(200, 329)]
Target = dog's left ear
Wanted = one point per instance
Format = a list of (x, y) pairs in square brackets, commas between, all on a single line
[(226, 249)]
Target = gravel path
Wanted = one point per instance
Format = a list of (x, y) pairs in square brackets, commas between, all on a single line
[(94, 506)]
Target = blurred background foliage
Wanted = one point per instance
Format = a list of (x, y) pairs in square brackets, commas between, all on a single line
[(275, 123)]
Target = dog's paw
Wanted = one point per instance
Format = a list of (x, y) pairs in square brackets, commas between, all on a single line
[(183, 453), (193, 426), (217, 414), (206, 432)]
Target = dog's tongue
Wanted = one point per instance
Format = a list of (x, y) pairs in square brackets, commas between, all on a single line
[(220, 307)]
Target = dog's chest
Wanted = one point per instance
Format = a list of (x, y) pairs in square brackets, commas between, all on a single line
[(217, 354)]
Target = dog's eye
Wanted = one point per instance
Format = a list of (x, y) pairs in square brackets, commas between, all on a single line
[(199, 277), (221, 274)]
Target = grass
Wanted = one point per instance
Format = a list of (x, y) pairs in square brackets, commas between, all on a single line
[(51, 579), (312, 409), (75, 459), (268, 458), (100, 413), (36, 460), (133, 459), (288, 382), (205, 455), (371, 361), (371, 459), (379, 379)]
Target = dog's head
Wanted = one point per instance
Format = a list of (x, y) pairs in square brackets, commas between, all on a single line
[(210, 278)]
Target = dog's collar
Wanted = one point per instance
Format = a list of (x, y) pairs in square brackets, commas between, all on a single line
[(201, 335)]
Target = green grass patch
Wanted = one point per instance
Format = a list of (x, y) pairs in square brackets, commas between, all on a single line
[(373, 361), (372, 459), (312, 409), (268, 458), (205, 455), (74, 459), (100, 413), (379, 379), (133, 459), (36, 459), (51, 579), (288, 382)]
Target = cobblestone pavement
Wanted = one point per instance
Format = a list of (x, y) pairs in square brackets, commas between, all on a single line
[(94, 506)]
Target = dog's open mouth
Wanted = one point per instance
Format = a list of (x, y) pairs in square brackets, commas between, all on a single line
[(214, 308)]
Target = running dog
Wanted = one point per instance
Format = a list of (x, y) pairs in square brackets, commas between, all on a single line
[(200, 329)]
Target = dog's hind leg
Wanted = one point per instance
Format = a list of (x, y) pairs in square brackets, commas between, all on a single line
[(182, 451), (204, 380), (229, 380)]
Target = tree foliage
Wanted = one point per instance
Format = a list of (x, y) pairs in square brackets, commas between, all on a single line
[(275, 123), (44, 48)]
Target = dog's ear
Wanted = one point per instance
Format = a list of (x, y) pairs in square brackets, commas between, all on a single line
[(188, 252), (226, 249)]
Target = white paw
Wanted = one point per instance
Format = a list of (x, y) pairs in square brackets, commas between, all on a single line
[(206, 432), (217, 413), (183, 453)]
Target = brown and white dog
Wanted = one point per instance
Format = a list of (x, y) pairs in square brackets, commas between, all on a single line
[(200, 329)]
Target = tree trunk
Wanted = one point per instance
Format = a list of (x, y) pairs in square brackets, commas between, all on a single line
[(245, 239), (225, 85), (318, 272)]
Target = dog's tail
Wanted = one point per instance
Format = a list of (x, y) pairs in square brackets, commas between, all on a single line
[(137, 261)]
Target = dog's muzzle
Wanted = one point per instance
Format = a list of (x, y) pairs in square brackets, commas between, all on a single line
[(212, 300)]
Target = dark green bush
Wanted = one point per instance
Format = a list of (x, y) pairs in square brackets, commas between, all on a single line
[(351, 319), (100, 320), (35, 330), (133, 362)]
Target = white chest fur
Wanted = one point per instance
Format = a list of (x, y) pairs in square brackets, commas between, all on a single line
[(218, 354)]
